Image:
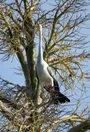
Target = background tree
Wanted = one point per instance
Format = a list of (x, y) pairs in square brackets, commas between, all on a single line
[(64, 50)]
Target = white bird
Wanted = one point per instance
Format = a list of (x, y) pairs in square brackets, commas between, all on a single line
[(46, 76)]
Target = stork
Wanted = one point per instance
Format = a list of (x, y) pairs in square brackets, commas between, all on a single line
[(46, 76)]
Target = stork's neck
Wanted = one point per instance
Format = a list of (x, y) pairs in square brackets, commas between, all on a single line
[(40, 53)]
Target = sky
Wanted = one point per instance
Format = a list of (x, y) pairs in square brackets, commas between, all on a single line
[(9, 71)]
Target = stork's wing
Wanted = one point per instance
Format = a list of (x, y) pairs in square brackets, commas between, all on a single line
[(56, 95), (56, 86), (51, 72)]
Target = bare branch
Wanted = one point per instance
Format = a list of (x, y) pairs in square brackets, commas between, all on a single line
[(9, 102), (82, 127), (6, 112)]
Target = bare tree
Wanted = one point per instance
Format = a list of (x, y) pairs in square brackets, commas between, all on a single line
[(64, 50)]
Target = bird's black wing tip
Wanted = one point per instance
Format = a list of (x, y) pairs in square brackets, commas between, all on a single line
[(67, 100)]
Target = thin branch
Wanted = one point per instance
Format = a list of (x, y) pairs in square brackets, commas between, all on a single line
[(6, 112), (9, 102), (84, 126), (68, 118)]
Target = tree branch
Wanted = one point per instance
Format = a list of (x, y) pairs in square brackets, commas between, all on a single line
[(9, 102), (9, 115), (5, 111), (64, 119), (81, 127)]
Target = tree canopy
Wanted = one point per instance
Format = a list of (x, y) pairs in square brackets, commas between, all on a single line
[(64, 49)]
